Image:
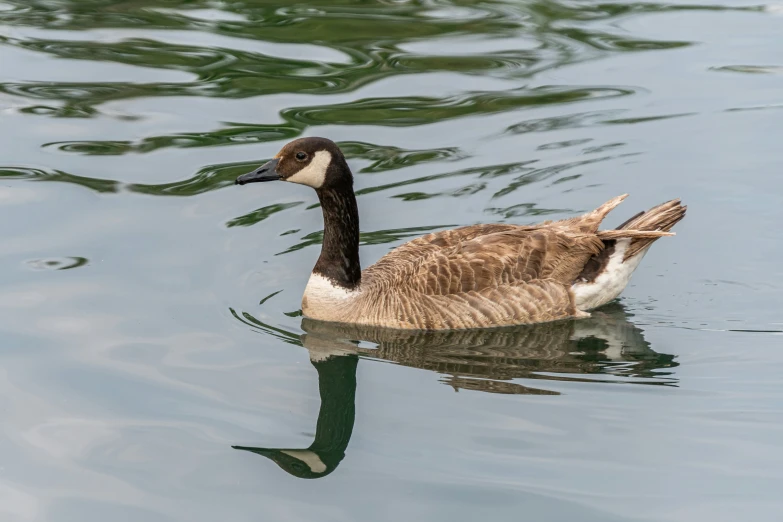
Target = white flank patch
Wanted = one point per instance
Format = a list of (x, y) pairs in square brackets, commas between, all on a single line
[(310, 458), (611, 282), (314, 174)]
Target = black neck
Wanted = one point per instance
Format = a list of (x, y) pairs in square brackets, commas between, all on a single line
[(339, 260)]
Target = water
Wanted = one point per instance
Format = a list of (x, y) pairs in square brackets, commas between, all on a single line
[(149, 309)]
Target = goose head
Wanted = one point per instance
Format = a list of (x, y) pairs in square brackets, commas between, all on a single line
[(315, 162)]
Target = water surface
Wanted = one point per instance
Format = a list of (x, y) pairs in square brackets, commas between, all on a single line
[(154, 361)]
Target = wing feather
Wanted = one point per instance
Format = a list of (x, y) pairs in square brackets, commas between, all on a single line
[(484, 257)]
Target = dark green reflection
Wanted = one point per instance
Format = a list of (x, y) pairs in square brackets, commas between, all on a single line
[(337, 387), (260, 214), (607, 347), (377, 237)]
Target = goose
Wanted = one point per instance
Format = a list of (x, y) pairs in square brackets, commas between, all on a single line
[(476, 276)]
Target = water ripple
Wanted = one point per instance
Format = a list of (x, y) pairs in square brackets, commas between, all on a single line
[(402, 112)]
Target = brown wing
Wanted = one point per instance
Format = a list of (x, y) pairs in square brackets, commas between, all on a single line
[(464, 260), (496, 253), (417, 249)]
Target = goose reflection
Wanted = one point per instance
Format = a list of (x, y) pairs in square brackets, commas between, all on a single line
[(337, 387), (605, 345)]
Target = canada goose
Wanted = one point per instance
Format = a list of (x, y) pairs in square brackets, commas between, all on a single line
[(476, 276), (488, 360)]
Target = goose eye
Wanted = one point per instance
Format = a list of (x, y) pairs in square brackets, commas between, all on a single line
[(301, 156)]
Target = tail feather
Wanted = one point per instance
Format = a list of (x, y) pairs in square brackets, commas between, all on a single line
[(607, 273), (659, 219), (601, 212), (633, 234), (590, 221)]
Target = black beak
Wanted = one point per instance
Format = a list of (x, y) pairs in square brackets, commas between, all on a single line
[(265, 172)]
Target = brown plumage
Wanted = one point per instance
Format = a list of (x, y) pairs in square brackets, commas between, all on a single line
[(470, 277)]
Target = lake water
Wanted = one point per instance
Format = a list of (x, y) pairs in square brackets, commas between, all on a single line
[(154, 365)]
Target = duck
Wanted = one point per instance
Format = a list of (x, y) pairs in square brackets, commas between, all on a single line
[(475, 276)]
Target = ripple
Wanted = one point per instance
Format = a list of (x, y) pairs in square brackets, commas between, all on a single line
[(750, 69), (217, 176), (453, 12), (57, 263), (602, 148), (464, 191), (207, 15), (381, 158), (764, 107), (378, 237), (410, 111), (568, 121), (489, 171), (233, 134), (613, 42), (646, 119), (138, 52), (385, 157), (583, 120), (540, 174), (79, 100), (486, 38), (34, 174), (563, 144), (231, 72), (261, 214), (211, 177), (93, 148), (509, 64), (526, 209)]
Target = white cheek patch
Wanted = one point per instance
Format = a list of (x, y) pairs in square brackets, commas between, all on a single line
[(314, 173)]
